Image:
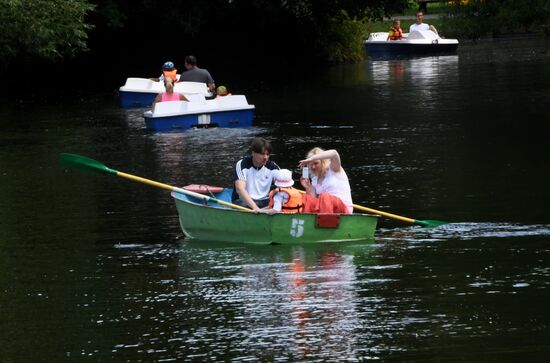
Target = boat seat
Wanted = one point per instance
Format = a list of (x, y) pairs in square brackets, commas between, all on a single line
[(195, 97), (191, 87), (422, 34), (232, 101), (170, 107), (137, 83), (198, 106), (142, 84)]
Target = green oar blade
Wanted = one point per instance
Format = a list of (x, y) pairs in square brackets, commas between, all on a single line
[(429, 223), (82, 163)]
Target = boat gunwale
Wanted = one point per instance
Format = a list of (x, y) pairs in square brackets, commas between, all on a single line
[(177, 196)]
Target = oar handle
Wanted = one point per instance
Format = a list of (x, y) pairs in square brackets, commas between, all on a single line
[(180, 190)]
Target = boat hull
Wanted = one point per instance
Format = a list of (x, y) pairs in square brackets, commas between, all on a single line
[(404, 50), (211, 222), (238, 118), (129, 99)]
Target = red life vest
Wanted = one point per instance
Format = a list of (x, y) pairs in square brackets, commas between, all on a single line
[(294, 203), (171, 74)]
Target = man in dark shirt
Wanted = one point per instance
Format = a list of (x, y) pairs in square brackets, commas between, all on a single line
[(196, 74), (253, 176)]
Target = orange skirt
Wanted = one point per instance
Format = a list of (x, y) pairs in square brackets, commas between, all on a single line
[(325, 203)]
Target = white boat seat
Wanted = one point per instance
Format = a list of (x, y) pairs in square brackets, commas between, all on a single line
[(191, 87), (140, 84), (232, 101), (170, 107), (195, 97), (422, 34), (146, 85)]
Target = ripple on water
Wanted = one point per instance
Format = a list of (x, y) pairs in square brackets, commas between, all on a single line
[(464, 231)]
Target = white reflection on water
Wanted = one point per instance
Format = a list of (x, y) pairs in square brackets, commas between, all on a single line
[(423, 71), (421, 80)]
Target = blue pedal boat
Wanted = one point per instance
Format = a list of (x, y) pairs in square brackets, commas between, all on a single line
[(173, 116)]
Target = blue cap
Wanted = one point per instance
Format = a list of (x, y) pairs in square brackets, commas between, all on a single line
[(168, 65)]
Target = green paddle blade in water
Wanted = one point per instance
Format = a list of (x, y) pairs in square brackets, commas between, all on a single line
[(82, 163), (430, 223)]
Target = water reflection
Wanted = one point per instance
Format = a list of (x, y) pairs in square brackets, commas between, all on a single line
[(424, 81), (201, 156), (322, 303), (299, 300), (424, 71)]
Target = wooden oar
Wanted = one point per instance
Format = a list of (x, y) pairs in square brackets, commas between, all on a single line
[(83, 163), (430, 223)]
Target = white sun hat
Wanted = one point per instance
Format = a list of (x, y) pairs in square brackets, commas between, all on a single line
[(283, 178)]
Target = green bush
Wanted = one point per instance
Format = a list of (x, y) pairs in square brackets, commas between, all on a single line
[(344, 39), (44, 29)]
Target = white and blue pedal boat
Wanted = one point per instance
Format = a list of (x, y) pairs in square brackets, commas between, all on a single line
[(173, 116), (414, 44)]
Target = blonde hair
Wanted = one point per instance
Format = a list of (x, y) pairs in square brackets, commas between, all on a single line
[(324, 162), (169, 82)]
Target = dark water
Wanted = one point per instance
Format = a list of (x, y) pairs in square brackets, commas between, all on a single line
[(95, 268)]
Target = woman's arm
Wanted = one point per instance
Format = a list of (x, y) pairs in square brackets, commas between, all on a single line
[(335, 163), (310, 190)]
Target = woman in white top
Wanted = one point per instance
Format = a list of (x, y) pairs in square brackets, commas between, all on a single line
[(329, 190)]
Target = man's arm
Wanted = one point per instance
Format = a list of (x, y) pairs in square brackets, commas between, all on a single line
[(240, 188)]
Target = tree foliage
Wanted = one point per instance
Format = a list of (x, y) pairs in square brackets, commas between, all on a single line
[(53, 29), (46, 29), (475, 18)]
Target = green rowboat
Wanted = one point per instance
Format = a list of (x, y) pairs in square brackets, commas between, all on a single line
[(209, 221)]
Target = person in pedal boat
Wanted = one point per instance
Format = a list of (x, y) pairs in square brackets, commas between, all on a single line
[(329, 190), (420, 25), (168, 71), (221, 91), (253, 176), (284, 198), (196, 74), (168, 94), (395, 32)]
